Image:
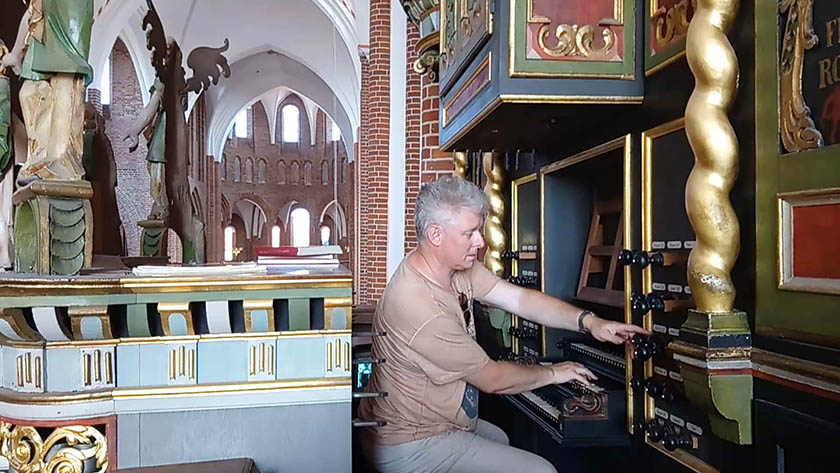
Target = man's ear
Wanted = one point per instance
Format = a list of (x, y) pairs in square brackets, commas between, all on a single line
[(434, 234)]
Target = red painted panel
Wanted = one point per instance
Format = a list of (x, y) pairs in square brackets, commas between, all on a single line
[(816, 241), (572, 12)]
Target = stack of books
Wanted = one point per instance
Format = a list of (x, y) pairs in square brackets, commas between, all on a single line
[(306, 256)]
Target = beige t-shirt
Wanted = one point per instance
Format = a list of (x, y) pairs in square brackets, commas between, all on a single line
[(428, 350)]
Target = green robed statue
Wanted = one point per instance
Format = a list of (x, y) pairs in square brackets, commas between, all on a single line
[(50, 54)]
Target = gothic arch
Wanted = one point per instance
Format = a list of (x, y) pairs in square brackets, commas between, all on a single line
[(335, 210), (249, 170), (295, 173), (307, 173), (281, 172), (325, 172), (237, 169), (261, 170)]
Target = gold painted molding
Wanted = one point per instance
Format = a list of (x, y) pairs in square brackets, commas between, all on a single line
[(715, 68), (28, 453), (797, 128), (494, 230)]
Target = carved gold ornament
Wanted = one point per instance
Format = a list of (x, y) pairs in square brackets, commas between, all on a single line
[(461, 164), (671, 23), (797, 129), (715, 68), (574, 40), (494, 230), (27, 453)]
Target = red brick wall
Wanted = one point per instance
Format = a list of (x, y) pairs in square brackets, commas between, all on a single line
[(373, 167), (273, 195), (133, 199), (412, 135), (435, 163)]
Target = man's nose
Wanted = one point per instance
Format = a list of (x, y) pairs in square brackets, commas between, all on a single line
[(478, 240)]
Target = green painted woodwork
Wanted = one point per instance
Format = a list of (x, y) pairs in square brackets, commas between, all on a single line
[(65, 43), (726, 398), (152, 240), (781, 312), (299, 314), (7, 150), (137, 320), (532, 66), (26, 237), (716, 325), (67, 236)]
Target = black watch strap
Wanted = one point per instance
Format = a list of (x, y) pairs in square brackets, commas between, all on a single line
[(582, 316)]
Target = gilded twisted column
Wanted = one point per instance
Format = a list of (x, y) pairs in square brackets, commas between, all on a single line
[(714, 336), (494, 230), (461, 164), (715, 67)]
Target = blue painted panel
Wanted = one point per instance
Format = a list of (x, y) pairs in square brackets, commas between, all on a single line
[(128, 366), (154, 364), (222, 362), (259, 320), (64, 370), (91, 328), (300, 357), (177, 325)]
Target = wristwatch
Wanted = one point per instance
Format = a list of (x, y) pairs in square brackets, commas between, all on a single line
[(582, 316)]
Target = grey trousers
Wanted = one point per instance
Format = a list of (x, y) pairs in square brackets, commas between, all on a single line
[(484, 451)]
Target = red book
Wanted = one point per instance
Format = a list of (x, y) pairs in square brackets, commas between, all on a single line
[(291, 251)]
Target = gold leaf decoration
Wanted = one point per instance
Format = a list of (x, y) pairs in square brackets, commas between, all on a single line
[(671, 23), (27, 452), (574, 40), (797, 128)]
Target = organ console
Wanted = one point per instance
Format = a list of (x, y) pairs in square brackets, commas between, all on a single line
[(599, 216)]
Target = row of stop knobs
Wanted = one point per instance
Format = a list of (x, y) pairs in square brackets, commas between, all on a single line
[(647, 347), (522, 332), (523, 280), (659, 390), (641, 259), (669, 436), (641, 304)]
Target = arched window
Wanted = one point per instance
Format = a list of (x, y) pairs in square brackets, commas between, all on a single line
[(240, 124), (230, 236), (300, 227), (325, 173), (105, 83), (295, 177), (223, 168), (249, 170), (281, 172), (275, 236), (335, 132), (325, 235), (307, 173), (237, 169), (261, 171), (291, 124)]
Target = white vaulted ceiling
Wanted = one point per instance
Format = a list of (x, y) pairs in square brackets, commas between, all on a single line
[(309, 46)]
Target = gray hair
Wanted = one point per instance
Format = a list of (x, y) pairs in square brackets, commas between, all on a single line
[(440, 201)]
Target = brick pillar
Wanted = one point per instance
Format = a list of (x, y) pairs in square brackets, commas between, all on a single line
[(434, 162), (373, 161), (412, 135), (213, 231)]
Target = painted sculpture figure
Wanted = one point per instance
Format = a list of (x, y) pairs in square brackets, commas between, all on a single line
[(51, 56), (152, 124)]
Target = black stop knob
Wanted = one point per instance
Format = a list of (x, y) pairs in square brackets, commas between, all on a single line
[(685, 440), (654, 431), (639, 426), (625, 257), (638, 340), (671, 442), (642, 352), (636, 383), (640, 259), (657, 348), (653, 388), (640, 306), (656, 259), (655, 301)]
